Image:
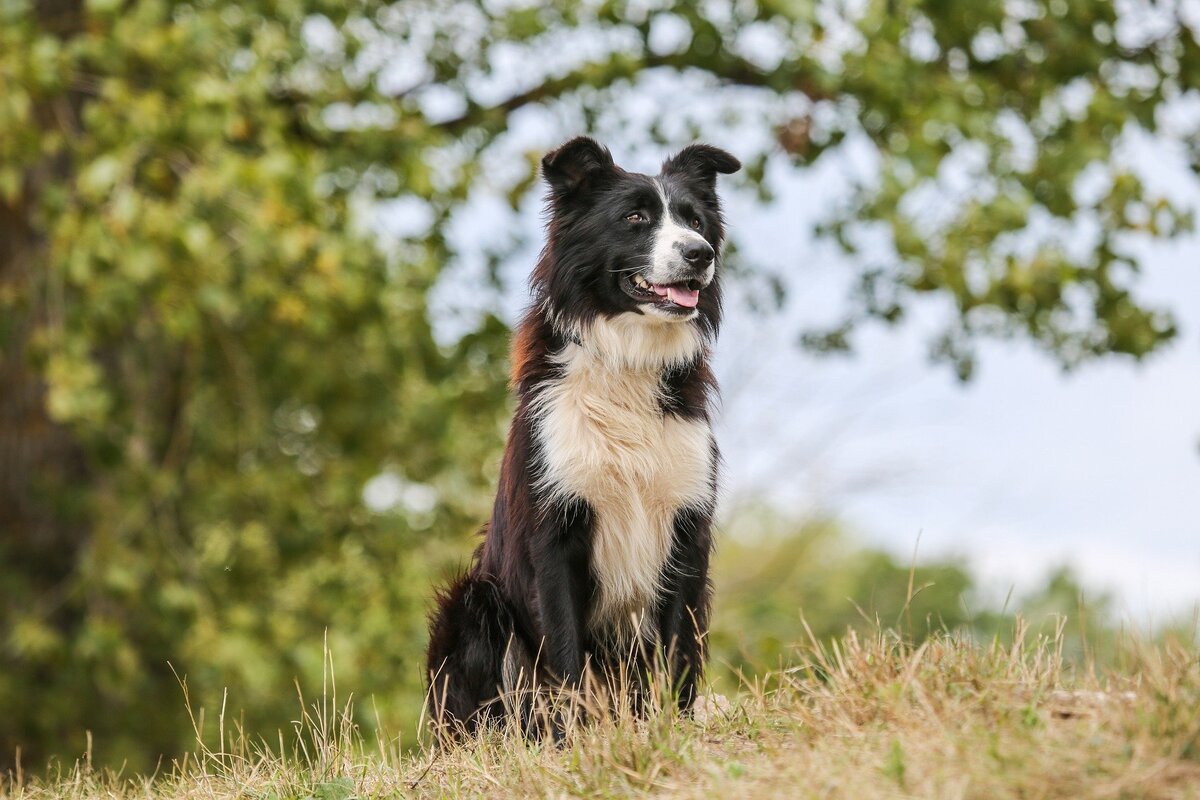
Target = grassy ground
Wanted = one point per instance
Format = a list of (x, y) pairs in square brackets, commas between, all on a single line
[(862, 719)]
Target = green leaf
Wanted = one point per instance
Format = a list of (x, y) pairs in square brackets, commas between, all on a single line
[(336, 789), (99, 177)]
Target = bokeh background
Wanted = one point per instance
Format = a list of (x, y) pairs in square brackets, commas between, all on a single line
[(258, 263)]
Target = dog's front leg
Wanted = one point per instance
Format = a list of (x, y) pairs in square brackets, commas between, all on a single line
[(560, 555), (560, 559), (683, 609)]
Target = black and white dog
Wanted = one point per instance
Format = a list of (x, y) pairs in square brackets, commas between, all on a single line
[(598, 546)]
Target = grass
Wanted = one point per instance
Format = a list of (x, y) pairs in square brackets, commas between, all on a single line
[(865, 717)]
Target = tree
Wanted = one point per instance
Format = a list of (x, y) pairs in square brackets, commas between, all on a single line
[(208, 350), (206, 357), (1027, 103)]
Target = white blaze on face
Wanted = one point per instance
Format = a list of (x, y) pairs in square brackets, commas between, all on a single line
[(670, 239)]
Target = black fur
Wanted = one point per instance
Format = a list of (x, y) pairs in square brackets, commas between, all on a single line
[(526, 595), (474, 625)]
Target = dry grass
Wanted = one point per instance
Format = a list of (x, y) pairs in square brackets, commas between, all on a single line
[(864, 718)]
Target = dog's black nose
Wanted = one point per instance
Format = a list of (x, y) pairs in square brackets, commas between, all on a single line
[(698, 254)]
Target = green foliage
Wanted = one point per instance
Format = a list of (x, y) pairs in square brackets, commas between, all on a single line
[(782, 584), (233, 358), (1083, 623), (206, 351), (770, 573)]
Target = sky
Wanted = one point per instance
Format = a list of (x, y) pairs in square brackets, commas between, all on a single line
[(1019, 471)]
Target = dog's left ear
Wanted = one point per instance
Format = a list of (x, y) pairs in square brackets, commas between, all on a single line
[(701, 163)]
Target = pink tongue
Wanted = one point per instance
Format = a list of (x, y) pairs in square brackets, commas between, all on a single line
[(687, 298)]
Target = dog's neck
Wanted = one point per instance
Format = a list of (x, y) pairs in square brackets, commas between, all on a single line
[(636, 342)]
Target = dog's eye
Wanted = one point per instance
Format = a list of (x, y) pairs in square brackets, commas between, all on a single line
[(635, 217), (695, 223)]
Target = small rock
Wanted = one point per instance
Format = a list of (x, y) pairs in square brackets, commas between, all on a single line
[(708, 706)]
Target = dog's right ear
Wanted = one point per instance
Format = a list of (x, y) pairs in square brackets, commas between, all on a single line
[(577, 164)]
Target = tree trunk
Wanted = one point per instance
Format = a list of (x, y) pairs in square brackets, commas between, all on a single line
[(40, 535), (35, 453)]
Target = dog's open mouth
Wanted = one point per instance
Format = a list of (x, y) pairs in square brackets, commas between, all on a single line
[(673, 296)]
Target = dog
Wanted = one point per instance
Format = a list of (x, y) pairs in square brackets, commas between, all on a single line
[(596, 556)]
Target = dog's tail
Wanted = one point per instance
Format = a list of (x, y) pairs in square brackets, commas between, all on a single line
[(473, 646)]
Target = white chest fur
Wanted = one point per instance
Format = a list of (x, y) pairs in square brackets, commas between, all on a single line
[(605, 439)]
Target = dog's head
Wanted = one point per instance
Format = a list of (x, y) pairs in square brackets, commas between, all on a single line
[(623, 243)]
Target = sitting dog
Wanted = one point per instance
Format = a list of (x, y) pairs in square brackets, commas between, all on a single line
[(596, 555)]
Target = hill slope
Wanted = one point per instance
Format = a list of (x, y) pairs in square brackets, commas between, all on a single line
[(860, 719)]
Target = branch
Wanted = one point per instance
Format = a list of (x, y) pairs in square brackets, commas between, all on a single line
[(729, 69)]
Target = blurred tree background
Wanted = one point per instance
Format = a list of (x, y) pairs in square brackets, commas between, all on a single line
[(209, 347)]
